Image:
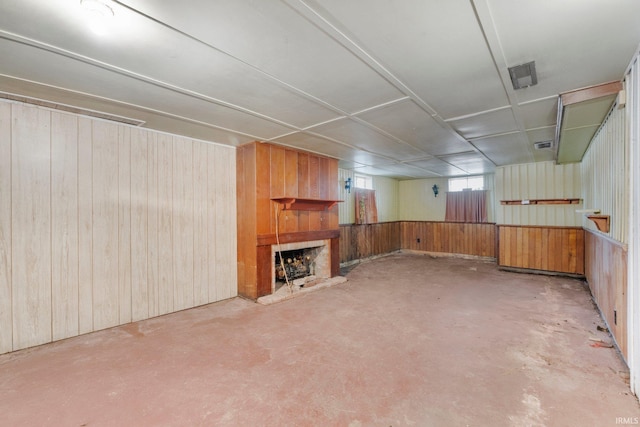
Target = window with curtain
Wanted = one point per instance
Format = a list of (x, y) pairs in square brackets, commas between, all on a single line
[(366, 210), (466, 206)]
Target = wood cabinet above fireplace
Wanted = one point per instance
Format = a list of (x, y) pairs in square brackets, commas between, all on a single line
[(285, 190)]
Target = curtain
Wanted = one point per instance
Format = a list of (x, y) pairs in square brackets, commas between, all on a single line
[(466, 206), (366, 210)]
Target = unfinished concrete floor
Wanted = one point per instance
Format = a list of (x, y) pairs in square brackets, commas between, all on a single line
[(409, 340)]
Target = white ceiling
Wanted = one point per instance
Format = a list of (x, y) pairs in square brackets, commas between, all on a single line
[(405, 88)]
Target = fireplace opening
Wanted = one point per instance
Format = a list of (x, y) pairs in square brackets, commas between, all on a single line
[(302, 262)]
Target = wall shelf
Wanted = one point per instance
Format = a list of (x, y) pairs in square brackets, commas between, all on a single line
[(602, 222), (541, 202), (300, 204)]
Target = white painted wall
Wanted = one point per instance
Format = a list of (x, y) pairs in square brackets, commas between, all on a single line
[(102, 224)]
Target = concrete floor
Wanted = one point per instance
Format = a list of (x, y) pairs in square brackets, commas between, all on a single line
[(409, 340)]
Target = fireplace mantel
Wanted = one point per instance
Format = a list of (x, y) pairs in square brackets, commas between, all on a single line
[(286, 193), (301, 204)]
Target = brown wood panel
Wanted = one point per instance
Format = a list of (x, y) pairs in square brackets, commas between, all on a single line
[(314, 177), (264, 172), (559, 249), (264, 261), (257, 169), (606, 272)]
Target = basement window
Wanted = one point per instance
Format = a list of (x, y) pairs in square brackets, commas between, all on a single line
[(362, 181), (467, 183)]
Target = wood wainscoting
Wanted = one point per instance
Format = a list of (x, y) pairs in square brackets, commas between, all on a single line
[(363, 241), (545, 248), (478, 239), (366, 240), (606, 271)]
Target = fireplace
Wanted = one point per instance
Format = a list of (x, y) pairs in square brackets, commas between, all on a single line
[(300, 260)]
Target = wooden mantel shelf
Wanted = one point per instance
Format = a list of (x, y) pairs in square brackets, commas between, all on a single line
[(541, 202), (602, 222), (300, 204)]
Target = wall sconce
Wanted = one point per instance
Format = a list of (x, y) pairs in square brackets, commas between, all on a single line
[(347, 185), (435, 190)]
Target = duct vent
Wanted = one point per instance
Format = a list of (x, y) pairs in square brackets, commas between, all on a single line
[(523, 75), (543, 145)]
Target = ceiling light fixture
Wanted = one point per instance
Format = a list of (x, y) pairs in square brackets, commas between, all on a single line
[(523, 75), (98, 14)]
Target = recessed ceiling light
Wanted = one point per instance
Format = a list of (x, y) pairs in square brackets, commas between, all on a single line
[(523, 75), (98, 14)]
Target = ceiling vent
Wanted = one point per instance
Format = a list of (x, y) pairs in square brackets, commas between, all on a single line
[(523, 75), (543, 145)]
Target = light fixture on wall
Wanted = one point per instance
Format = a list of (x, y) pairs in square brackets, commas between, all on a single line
[(435, 190), (347, 185)]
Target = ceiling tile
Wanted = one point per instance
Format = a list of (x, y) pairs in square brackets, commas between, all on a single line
[(505, 149), (539, 113), (436, 48), (408, 122), (26, 62), (437, 166), (563, 37), (274, 38), (485, 124), (330, 148), (471, 163), (363, 137)]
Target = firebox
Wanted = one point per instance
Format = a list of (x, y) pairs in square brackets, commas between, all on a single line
[(301, 259)]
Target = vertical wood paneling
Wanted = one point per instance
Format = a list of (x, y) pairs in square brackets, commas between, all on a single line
[(165, 224), (183, 283), (64, 225), (124, 224), (226, 224), (85, 220), (606, 271), (558, 249), (105, 225), (100, 224), (200, 224), (153, 220), (604, 167), (215, 213), (139, 235), (6, 312), (31, 226), (541, 180)]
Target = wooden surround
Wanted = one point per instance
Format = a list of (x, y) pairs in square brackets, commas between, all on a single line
[(292, 190)]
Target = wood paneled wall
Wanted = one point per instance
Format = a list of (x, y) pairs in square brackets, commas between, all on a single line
[(606, 271), (362, 241), (541, 180), (605, 175), (559, 249), (267, 171), (367, 240), (102, 224), (450, 237)]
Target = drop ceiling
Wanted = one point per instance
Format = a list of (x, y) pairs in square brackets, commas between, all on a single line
[(405, 89)]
